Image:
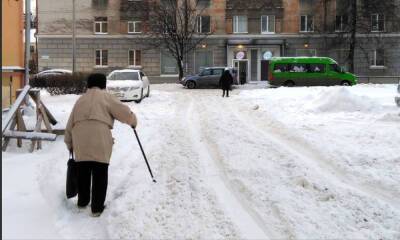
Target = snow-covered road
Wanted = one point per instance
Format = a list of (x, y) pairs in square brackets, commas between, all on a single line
[(286, 163)]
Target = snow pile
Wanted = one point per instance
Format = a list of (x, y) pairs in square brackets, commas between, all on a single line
[(342, 100), (390, 117)]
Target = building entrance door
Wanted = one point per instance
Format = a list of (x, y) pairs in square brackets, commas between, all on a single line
[(242, 68), (264, 70)]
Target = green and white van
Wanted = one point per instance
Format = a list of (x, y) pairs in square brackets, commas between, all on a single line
[(308, 71)]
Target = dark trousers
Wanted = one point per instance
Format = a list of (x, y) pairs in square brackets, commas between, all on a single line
[(97, 174), (225, 90)]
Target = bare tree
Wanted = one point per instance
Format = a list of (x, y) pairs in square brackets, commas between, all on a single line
[(175, 25), (357, 28)]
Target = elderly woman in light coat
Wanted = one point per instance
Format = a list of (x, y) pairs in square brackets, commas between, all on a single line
[(88, 135)]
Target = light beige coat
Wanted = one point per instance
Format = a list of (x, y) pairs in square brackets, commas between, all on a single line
[(88, 130)]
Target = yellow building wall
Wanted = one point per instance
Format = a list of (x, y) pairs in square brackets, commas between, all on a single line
[(10, 83), (12, 47)]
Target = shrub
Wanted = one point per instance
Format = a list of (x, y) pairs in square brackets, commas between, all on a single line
[(59, 84)]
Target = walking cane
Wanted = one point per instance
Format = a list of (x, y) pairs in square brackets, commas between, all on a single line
[(144, 155)]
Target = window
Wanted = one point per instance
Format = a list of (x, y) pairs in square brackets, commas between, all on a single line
[(306, 52), (101, 57), (218, 72), (306, 23), (203, 24), (334, 67), (100, 25), (378, 58), (169, 4), (124, 76), (134, 27), (316, 68), (377, 23), (203, 3), (100, 3), (281, 67), (267, 24), (168, 64), (240, 24), (203, 59), (206, 72), (341, 23), (134, 57), (169, 25), (297, 67)]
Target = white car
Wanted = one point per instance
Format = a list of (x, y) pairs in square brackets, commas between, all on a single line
[(128, 84)]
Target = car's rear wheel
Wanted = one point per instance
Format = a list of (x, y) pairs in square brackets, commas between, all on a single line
[(148, 91), (190, 84), (345, 83), (141, 97), (288, 83)]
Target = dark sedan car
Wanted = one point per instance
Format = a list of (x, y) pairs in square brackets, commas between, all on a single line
[(207, 77)]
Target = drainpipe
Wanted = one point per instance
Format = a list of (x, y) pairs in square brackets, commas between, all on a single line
[(283, 48), (73, 38), (11, 83), (36, 38), (27, 38)]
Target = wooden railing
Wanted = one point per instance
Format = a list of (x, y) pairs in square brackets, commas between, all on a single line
[(14, 119)]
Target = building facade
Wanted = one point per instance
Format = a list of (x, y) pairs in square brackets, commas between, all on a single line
[(12, 76), (111, 34)]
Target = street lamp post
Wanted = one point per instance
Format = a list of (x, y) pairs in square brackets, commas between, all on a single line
[(73, 38)]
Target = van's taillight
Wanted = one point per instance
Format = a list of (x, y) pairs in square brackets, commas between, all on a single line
[(270, 76)]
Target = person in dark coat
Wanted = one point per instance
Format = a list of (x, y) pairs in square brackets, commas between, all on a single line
[(225, 82)]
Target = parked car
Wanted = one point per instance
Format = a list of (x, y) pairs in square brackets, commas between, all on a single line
[(59, 81), (208, 77), (128, 84), (308, 71), (397, 98), (53, 72)]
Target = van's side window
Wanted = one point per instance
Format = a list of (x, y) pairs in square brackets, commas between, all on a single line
[(334, 67), (298, 67), (316, 68), (281, 67)]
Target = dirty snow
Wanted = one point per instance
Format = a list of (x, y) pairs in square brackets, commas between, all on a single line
[(285, 163)]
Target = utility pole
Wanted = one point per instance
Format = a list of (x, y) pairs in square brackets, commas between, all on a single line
[(27, 39), (73, 38)]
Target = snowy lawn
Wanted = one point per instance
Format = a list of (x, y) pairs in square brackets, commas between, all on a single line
[(285, 163)]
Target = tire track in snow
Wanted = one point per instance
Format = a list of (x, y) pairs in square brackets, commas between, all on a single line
[(284, 231), (246, 219), (185, 206), (281, 136)]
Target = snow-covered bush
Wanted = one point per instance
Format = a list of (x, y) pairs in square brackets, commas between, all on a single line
[(60, 84)]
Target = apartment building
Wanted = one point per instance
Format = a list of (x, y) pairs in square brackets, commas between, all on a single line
[(111, 34)]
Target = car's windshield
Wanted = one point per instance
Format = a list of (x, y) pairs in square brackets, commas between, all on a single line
[(124, 76)]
